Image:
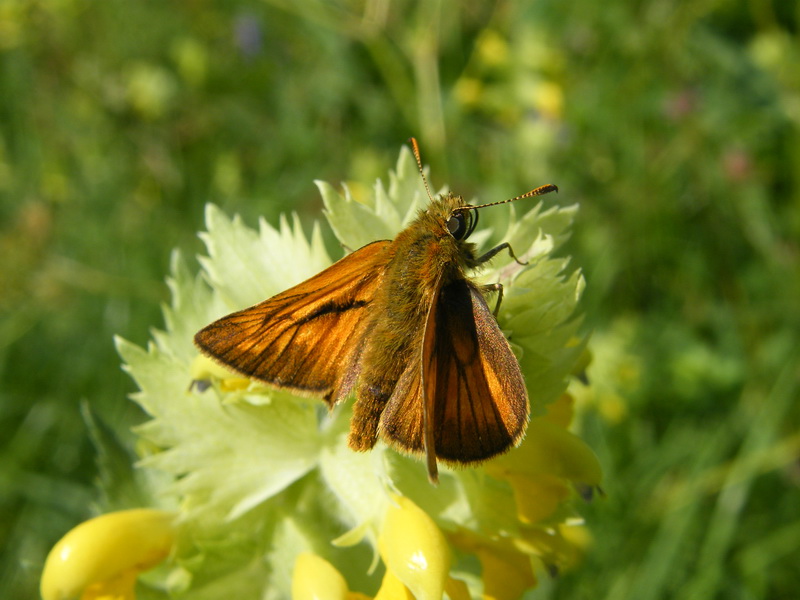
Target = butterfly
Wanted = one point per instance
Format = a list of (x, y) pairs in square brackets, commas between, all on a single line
[(399, 325)]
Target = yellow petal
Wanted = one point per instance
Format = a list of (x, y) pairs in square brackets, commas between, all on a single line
[(204, 369), (393, 589), (314, 578), (120, 588), (561, 411), (506, 570), (456, 589), (506, 574), (414, 549), (537, 497), (102, 556), (555, 551), (552, 450)]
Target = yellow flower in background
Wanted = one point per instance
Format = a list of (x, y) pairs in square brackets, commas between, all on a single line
[(492, 48), (273, 502), (150, 90), (548, 98), (102, 557)]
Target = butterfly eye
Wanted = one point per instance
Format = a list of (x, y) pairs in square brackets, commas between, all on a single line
[(457, 225)]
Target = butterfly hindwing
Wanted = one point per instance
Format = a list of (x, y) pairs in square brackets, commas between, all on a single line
[(474, 394), (309, 337), (401, 422), (464, 399)]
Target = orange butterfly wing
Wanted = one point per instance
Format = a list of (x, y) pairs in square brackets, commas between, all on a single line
[(465, 400), (474, 394), (308, 338), (401, 422)]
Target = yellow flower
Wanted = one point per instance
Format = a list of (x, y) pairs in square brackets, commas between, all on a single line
[(550, 461), (506, 570), (414, 550), (102, 557), (314, 578), (492, 48), (548, 98)]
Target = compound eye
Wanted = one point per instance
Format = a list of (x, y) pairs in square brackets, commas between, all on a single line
[(457, 225)]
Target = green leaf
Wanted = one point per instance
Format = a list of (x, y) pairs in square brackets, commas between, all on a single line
[(245, 267), (380, 217), (119, 483)]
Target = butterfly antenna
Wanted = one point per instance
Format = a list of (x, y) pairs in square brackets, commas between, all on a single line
[(539, 191), (415, 149)]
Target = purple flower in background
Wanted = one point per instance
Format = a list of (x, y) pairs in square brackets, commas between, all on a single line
[(248, 35)]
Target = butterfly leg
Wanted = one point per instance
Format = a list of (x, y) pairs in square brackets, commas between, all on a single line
[(497, 288), (494, 251)]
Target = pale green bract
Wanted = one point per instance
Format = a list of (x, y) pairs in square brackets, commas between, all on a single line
[(260, 475)]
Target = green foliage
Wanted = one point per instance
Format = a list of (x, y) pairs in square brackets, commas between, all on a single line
[(674, 124)]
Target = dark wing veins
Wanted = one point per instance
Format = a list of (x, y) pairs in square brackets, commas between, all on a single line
[(332, 308)]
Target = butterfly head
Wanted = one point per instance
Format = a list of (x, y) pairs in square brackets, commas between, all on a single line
[(461, 218), (452, 216)]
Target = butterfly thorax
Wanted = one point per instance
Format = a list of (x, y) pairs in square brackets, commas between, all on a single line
[(425, 257)]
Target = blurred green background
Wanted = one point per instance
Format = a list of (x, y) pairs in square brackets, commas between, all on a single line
[(674, 125)]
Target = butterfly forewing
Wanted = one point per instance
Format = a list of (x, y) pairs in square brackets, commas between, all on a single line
[(473, 388), (308, 338)]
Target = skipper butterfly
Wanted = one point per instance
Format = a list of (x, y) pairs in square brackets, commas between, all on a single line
[(399, 325)]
